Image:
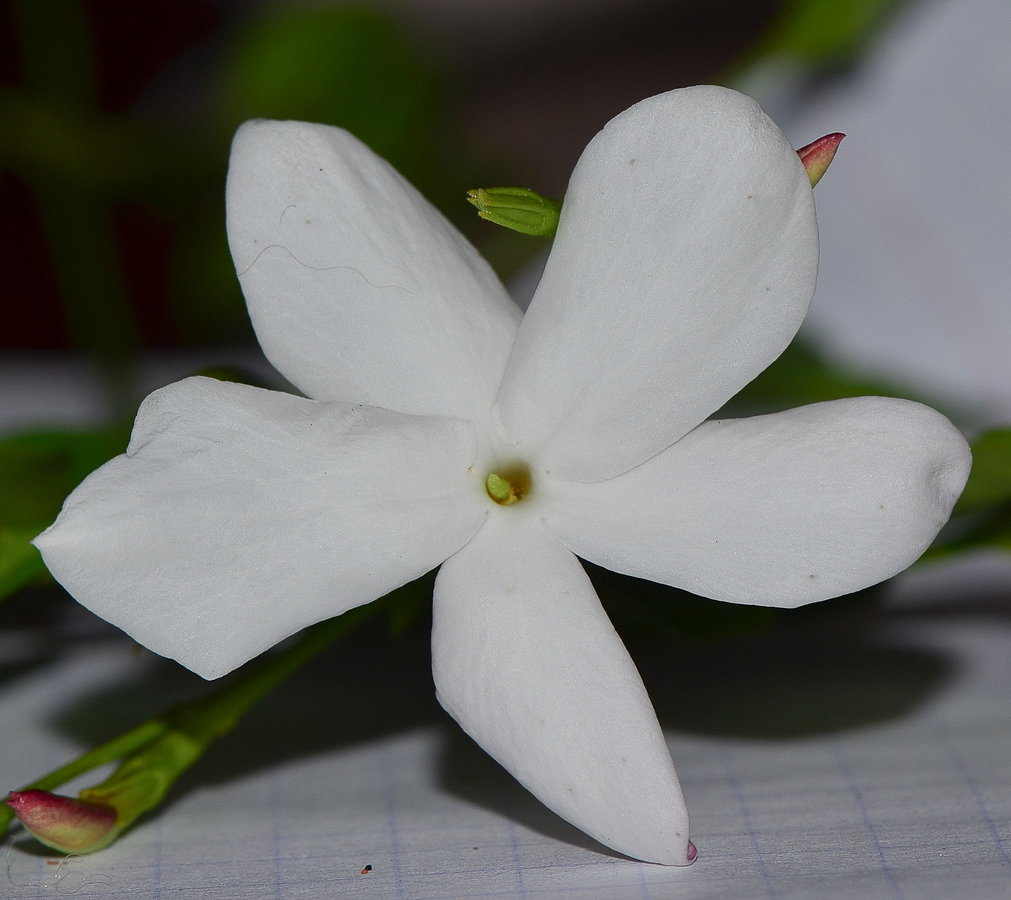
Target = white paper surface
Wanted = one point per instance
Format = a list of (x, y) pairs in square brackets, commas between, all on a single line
[(838, 766)]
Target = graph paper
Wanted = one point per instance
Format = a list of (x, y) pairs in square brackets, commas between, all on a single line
[(861, 761), (872, 763)]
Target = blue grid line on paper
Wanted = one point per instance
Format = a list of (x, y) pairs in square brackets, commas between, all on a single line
[(386, 773), (643, 887), (735, 783), (577, 891), (159, 844), (520, 887), (847, 773), (275, 835), (963, 770)]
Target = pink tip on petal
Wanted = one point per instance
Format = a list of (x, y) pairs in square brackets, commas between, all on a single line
[(63, 823), (818, 155), (692, 853)]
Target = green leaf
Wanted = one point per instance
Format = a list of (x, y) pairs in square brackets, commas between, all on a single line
[(982, 516), (990, 528), (20, 562), (990, 479), (823, 33), (342, 67), (798, 377), (39, 469), (37, 472)]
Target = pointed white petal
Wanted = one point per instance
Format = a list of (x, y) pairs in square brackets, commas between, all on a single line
[(527, 662), (357, 287), (684, 263), (776, 510), (238, 516)]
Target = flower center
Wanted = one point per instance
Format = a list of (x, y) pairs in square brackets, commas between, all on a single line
[(509, 484)]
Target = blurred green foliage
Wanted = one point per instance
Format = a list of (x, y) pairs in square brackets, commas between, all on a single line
[(824, 34), (982, 516), (37, 472), (347, 67), (990, 480), (341, 66)]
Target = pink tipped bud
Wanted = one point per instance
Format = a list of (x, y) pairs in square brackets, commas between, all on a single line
[(817, 155), (692, 853), (63, 823)]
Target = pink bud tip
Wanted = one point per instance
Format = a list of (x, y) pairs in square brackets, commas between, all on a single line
[(63, 823), (692, 853), (817, 155)]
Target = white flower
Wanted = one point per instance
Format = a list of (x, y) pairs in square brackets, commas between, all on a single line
[(684, 263)]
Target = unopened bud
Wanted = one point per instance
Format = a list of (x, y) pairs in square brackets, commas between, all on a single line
[(517, 208), (63, 823), (818, 155)]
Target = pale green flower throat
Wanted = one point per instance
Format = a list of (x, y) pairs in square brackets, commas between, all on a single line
[(509, 485)]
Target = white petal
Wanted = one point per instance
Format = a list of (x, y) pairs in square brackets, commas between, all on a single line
[(527, 662), (357, 287), (238, 516), (684, 263), (776, 510)]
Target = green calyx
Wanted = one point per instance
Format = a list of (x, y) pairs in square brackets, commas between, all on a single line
[(519, 209)]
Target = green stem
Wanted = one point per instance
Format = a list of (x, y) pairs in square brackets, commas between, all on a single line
[(156, 753), (117, 748), (213, 716)]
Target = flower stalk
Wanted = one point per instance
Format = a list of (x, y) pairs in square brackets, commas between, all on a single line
[(155, 754)]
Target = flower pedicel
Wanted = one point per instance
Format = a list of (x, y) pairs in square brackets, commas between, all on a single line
[(445, 427)]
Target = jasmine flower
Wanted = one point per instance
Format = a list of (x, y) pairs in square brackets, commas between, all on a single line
[(444, 427)]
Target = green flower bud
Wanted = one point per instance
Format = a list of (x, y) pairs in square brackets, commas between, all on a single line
[(517, 208)]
